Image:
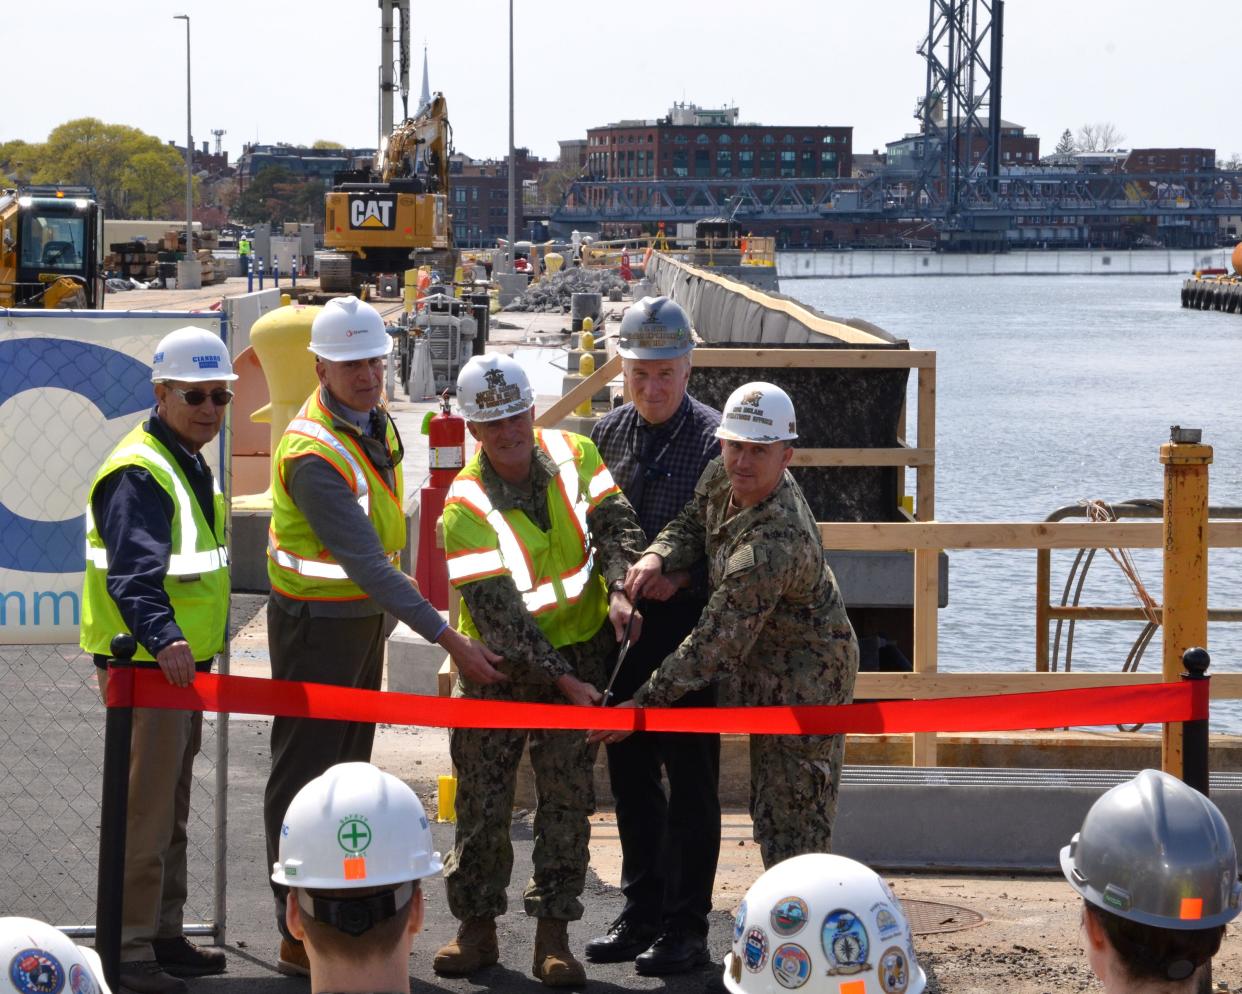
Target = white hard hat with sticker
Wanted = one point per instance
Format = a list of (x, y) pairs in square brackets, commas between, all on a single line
[(347, 329), (37, 958), (493, 387), (191, 355), (824, 924), (758, 412)]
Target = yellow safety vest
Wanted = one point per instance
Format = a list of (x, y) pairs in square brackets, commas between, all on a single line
[(197, 579), (298, 565), (554, 571)]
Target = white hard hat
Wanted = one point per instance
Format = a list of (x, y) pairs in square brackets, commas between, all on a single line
[(493, 386), (758, 412), (348, 328), (191, 355), (817, 920), (354, 826), (38, 959)]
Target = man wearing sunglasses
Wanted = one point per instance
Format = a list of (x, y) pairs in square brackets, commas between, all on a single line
[(157, 568), (338, 528), (657, 448)]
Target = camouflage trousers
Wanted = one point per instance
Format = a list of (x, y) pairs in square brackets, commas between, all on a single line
[(477, 871), (794, 781)]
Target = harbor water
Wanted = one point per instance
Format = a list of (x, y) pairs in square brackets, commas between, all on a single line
[(1050, 390)]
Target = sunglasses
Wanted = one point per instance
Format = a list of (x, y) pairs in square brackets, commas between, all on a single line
[(220, 397)]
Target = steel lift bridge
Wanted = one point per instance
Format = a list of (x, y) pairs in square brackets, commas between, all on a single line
[(952, 178)]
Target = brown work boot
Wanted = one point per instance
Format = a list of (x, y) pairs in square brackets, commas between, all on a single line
[(554, 964), (292, 961), (474, 948)]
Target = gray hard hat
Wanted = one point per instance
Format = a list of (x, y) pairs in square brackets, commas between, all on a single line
[(655, 328), (1157, 852)]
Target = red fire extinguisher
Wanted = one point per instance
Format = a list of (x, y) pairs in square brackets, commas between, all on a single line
[(626, 274), (446, 440)]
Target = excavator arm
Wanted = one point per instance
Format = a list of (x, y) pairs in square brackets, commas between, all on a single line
[(425, 139)]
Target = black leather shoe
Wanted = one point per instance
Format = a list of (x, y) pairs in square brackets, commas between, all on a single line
[(625, 940), (673, 952), (180, 957)]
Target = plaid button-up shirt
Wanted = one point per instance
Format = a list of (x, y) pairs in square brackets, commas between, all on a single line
[(657, 466)]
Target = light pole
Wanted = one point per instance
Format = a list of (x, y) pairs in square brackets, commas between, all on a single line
[(512, 157), (189, 276)]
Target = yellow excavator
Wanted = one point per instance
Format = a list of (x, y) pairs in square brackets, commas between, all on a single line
[(394, 215), (49, 255)]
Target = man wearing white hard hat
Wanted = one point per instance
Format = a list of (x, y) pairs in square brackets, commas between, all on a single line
[(157, 568), (775, 621), (37, 957), (354, 847), (822, 924), (538, 539), (338, 528)]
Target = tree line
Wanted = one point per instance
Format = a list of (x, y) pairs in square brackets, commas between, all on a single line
[(136, 175)]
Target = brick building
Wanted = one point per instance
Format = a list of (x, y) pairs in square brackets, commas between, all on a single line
[(479, 197), (1169, 160)]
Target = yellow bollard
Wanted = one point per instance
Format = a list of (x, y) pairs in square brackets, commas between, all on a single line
[(285, 300), (1185, 460), (459, 279), (409, 290), (552, 262), (586, 340), (446, 799), (586, 366)]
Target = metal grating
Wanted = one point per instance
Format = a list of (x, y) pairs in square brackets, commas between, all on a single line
[(932, 917)]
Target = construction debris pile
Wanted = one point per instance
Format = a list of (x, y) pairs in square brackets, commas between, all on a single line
[(553, 293)]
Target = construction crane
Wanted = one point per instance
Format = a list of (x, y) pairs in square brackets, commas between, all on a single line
[(393, 215)]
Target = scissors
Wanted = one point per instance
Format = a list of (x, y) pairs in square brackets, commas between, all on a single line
[(625, 648)]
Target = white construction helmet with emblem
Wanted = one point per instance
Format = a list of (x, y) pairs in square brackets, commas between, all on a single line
[(817, 922), (350, 828), (191, 355), (492, 387), (347, 329), (655, 328), (758, 412), (36, 957)]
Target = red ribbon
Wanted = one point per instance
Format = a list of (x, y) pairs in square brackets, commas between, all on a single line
[(1134, 703)]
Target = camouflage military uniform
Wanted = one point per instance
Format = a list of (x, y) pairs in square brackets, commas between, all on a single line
[(777, 624), (477, 871)]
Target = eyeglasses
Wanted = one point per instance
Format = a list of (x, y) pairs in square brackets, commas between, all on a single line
[(220, 397)]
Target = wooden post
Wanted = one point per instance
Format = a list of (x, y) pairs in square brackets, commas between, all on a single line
[(1043, 591), (926, 561), (1185, 460)]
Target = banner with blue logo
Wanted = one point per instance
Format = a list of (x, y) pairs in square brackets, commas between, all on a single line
[(71, 385)]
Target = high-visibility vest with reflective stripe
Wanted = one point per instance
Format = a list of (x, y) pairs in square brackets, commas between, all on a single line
[(197, 581), (554, 571), (298, 565)]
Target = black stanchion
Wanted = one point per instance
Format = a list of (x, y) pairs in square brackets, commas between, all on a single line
[(110, 893), (1195, 733)]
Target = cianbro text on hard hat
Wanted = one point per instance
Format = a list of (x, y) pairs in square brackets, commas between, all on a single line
[(191, 355), (1157, 852), (355, 827), (817, 922), (36, 957), (655, 328), (758, 412), (491, 387), (347, 329)]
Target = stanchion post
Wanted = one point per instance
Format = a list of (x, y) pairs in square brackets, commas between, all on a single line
[(260, 272), (250, 274), (1195, 733), (1185, 460), (114, 804), (276, 273)]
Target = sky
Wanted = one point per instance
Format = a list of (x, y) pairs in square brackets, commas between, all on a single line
[(307, 70)]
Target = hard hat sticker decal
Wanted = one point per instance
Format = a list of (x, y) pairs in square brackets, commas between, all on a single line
[(894, 971), (755, 951), (845, 942), (739, 922), (791, 965), (36, 971), (886, 924), (790, 914)]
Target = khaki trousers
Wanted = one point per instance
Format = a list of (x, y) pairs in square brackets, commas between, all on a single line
[(161, 769)]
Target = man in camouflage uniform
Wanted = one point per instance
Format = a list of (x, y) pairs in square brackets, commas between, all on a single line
[(775, 622), (538, 540)]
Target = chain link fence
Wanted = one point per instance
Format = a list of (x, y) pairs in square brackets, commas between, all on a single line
[(72, 384)]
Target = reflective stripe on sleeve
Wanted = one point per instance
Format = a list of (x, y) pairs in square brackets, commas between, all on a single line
[(313, 429)]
